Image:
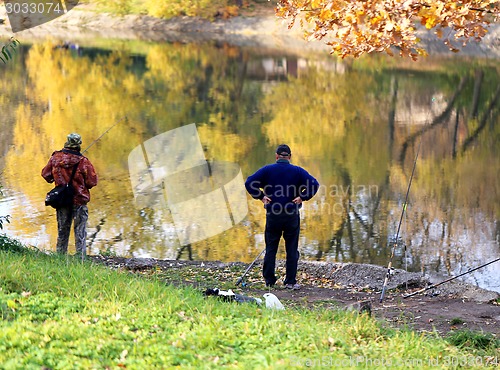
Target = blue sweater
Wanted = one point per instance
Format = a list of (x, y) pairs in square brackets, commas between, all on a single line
[(282, 182)]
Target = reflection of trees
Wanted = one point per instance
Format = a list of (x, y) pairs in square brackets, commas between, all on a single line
[(181, 250), (478, 80), (341, 126), (62, 95), (440, 119), (452, 169), (10, 98), (182, 84), (491, 110), (329, 121), (447, 183), (359, 233)]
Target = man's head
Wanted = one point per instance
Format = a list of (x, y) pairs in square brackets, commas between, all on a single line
[(74, 142), (283, 152)]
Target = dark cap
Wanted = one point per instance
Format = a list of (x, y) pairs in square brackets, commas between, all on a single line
[(283, 149)]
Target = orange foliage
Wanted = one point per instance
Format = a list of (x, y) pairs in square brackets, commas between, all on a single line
[(356, 27), (229, 11)]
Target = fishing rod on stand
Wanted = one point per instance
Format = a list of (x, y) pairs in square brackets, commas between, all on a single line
[(389, 266), (240, 280), (450, 279)]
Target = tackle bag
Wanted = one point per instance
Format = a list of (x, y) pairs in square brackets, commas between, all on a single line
[(62, 195)]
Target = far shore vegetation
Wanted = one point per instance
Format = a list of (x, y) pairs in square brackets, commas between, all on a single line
[(209, 9)]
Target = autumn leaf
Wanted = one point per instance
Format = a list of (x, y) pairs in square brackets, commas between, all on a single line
[(389, 26), (430, 22)]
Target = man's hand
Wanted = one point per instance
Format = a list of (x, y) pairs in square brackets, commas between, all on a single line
[(266, 200), (297, 200)]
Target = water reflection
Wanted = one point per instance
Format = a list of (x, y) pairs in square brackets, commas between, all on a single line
[(355, 125)]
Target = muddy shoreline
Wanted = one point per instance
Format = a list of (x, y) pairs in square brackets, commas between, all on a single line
[(342, 275), (339, 286)]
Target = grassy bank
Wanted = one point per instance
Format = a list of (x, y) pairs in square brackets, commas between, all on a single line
[(59, 313)]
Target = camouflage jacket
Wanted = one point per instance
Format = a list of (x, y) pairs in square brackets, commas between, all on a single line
[(60, 167)]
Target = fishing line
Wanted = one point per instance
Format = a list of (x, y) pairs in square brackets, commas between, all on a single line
[(92, 143), (104, 133)]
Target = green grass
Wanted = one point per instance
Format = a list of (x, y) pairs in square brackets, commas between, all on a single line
[(59, 313), (482, 342), (7, 244), (457, 321)]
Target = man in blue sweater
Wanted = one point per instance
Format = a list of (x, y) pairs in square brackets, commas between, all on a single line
[(282, 187)]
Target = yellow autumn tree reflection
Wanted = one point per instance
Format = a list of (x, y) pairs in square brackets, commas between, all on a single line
[(71, 95), (197, 79), (324, 115), (87, 94), (337, 123)]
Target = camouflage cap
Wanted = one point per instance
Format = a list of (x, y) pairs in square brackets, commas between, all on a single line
[(74, 141)]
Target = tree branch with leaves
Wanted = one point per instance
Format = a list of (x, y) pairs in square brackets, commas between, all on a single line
[(5, 53), (356, 27)]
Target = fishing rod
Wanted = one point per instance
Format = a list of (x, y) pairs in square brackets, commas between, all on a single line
[(450, 279), (389, 267), (104, 133), (96, 140), (248, 269)]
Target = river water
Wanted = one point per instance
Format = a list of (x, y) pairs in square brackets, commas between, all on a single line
[(356, 125)]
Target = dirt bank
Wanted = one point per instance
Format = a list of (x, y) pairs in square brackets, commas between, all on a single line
[(257, 28), (454, 305)]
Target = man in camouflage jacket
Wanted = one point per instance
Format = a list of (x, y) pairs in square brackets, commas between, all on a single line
[(58, 170)]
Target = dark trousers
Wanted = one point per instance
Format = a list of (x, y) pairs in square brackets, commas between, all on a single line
[(288, 226)]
